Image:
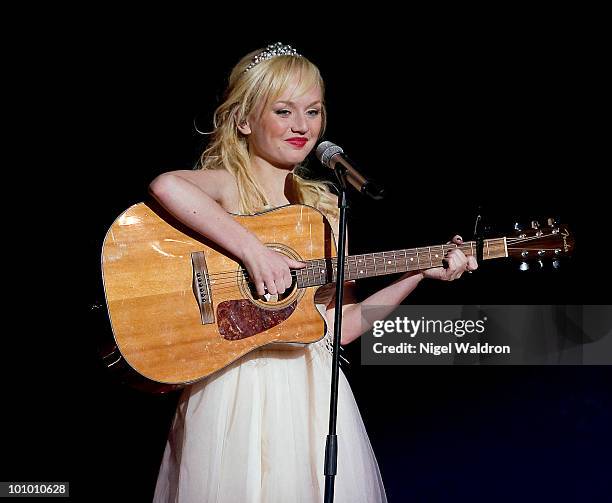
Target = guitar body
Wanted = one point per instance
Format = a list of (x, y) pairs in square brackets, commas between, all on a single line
[(181, 308)]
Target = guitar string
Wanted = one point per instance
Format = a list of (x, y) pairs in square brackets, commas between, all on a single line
[(312, 265), (232, 284), (464, 247), (315, 264), (352, 267)]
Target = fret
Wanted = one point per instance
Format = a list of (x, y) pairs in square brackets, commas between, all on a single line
[(312, 273), (351, 268), (307, 278), (421, 251), (322, 271), (438, 253), (389, 258), (361, 266), (298, 278), (404, 265), (412, 264), (370, 263), (382, 264)]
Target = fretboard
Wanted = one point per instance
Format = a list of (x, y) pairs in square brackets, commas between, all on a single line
[(322, 271)]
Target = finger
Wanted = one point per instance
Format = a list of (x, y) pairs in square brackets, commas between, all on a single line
[(282, 279), (457, 265), (458, 254), (294, 264), (280, 285), (456, 270), (472, 264), (258, 283), (288, 279), (270, 285), (453, 258)]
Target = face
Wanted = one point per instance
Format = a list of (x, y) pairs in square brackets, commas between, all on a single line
[(285, 131)]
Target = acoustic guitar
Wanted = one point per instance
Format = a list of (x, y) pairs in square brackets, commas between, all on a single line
[(181, 308)]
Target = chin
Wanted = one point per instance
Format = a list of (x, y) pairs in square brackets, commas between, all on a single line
[(290, 162)]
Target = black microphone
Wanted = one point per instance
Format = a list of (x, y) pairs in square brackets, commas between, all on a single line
[(330, 154)]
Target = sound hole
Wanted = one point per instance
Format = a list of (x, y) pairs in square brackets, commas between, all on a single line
[(269, 298), (274, 301)]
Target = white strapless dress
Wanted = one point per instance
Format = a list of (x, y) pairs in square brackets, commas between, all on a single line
[(255, 432)]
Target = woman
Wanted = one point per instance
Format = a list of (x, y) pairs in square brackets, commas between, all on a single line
[(255, 431)]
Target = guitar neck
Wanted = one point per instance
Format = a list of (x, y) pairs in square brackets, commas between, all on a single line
[(323, 271)]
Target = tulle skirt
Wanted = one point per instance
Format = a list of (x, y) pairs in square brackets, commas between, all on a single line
[(255, 433)]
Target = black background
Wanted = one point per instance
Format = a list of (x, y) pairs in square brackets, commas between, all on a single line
[(504, 117)]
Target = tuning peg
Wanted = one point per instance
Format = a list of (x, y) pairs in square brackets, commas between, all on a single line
[(524, 266), (535, 224), (518, 226), (552, 221), (556, 263), (540, 263)]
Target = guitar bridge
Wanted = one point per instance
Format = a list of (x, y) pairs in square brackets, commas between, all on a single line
[(201, 287)]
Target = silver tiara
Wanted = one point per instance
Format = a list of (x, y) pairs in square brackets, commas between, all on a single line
[(278, 49)]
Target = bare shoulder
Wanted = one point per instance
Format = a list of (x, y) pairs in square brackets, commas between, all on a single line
[(219, 184)]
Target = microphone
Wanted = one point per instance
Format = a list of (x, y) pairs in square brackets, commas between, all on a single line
[(331, 154)]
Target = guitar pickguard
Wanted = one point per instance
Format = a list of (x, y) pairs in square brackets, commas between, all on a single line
[(239, 319)]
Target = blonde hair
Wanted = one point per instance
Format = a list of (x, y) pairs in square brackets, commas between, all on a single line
[(228, 148)]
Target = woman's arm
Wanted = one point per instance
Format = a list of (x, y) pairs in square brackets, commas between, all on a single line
[(193, 198), (392, 295)]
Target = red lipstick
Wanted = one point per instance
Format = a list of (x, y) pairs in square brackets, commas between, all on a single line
[(298, 141)]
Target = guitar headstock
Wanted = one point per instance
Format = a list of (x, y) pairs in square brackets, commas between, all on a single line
[(534, 244)]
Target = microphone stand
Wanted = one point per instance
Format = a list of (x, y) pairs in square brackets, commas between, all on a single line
[(331, 444)]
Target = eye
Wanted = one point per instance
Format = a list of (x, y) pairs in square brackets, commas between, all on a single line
[(314, 112), (283, 112)]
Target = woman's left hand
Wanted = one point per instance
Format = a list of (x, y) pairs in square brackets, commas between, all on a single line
[(456, 264)]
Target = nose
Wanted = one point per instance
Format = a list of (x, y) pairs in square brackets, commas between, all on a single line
[(299, 124)]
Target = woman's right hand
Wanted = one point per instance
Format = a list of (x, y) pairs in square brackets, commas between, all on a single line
[(269, 270)]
